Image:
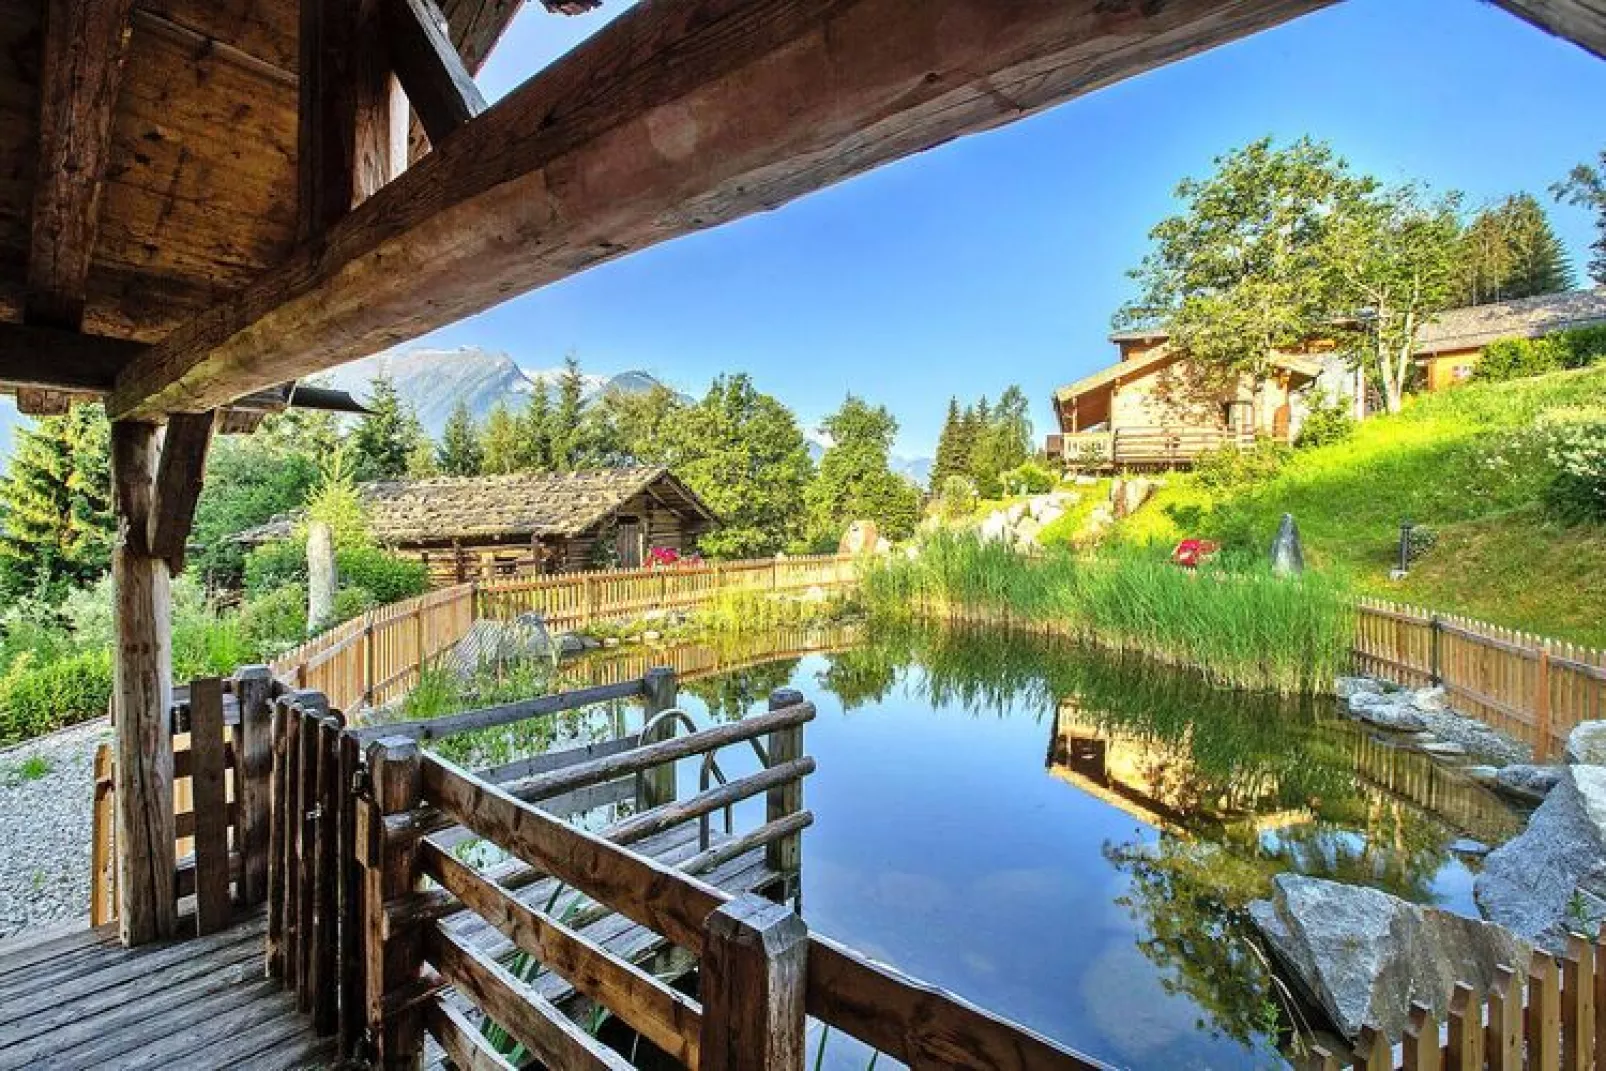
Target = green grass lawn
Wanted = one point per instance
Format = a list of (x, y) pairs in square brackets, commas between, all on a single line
[(1459, 462)]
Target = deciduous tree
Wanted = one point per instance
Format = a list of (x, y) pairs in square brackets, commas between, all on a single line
[(1585, 187), (856, 481)]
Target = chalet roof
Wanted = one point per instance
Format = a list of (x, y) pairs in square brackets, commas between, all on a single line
[(519, 505), (1478, 325), (1305, 367)]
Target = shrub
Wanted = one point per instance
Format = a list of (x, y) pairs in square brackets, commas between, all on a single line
[(1028, 478), (353, 602), (1575, 447), (1518, 358), (276, 621), (271, 566), (1328, 421), (386, 577), (41, 697), (1419, 540), (957, 498), (1585, 345), (1230, 467)]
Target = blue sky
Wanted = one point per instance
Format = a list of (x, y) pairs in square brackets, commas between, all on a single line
[(1000, 258)]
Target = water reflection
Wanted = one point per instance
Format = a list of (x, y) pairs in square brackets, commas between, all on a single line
[(1098, 896)]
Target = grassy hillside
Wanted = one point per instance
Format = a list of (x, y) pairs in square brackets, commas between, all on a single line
[(1464, 462)]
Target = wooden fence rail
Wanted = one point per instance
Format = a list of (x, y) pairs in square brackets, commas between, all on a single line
[(375, 659), (1533, 688)]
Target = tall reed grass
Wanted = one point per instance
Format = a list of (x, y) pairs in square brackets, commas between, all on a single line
[(1242, 627)]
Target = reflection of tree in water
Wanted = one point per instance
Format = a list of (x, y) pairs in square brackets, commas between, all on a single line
[(864, 674), (730, 695), (1191, 900)]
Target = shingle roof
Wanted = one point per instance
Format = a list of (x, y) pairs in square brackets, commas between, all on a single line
[(520, 505), (1478, 325), (1306, 367)]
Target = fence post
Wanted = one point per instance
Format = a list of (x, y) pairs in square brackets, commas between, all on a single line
[(253, 774), (395, 769), (785, 855), (368, 660), (1435, 661), (657, 786), (102, 850), (210, 805), (755, 956), (1542, 703)]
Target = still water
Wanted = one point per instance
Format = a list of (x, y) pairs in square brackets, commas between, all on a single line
[(1069, 838)]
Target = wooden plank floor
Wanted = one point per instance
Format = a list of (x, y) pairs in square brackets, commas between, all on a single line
[(78, 999)]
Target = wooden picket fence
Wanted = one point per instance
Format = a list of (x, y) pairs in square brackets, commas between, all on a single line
[(1554, 1018), (375, 659), (1533, 688)]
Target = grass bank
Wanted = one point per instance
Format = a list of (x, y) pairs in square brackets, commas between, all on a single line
[(1464, 462), (1241, 627)]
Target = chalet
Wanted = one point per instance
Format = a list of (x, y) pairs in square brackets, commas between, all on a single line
[(1450, 346), (541, 522), (1155, 409)]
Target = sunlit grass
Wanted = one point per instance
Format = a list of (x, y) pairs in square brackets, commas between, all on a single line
[(1241, 627)]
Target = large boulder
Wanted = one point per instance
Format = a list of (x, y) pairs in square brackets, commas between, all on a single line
[(1551, 878), (1363, 956), (1527, 781), (1586, 744)]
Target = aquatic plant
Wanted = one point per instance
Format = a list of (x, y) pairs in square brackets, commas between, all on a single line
[(1236, 623)]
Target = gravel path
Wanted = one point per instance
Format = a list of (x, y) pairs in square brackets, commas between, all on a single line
[(46, 797)]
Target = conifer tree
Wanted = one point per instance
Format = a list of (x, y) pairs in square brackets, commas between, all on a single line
[(56, 527), (383, 440), (535, 432), (945, 464), (566, 433), (459, 451), (1510, 251), (499, 445)]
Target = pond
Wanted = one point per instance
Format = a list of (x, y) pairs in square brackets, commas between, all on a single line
[(1069, 838)]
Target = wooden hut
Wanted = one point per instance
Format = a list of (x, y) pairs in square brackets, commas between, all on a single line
[(537, 522), (206, 199)]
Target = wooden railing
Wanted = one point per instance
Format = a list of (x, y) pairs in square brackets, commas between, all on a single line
[(1533, 688), (1142, 447), (761, 972), (374, 659), (222, 762), (1551, 1018)]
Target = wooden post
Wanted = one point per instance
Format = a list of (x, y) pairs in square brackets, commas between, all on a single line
[(141, 698), (325, 892), (1435, 663), (395, 767), (253, 775), (280, 810), (1542, 705), (210, 806), (368, 659), (351, 919), (786, 854), (657, 786), (102, 849), (755, 956)]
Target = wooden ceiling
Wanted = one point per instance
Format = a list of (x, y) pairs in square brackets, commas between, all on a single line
[(149, 190)]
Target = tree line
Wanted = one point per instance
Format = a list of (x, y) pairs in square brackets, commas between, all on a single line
[(742, 451), (983, 442), (1285, 244)]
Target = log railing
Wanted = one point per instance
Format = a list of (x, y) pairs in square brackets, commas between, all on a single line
[(1533, 688), (222, 764), (376, 658)]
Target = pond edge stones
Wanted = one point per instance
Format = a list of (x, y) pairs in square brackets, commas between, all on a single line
[(1551, 878), (1363, 955)]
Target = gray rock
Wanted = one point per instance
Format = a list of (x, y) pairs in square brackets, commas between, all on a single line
[(1587, 744), (1287, 556), (1551, 878), (1428, 700), (1444, 749), (1484, 775), (1386, 712), (1364, 956), (1468, 846), (1346, 687), (1527, 781)]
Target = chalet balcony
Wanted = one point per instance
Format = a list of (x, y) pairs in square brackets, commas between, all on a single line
[(1137, 448)]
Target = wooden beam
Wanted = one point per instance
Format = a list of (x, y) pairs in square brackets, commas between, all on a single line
[(142, 693), (437, 84), (178, 485), (1583, 22), (51, 358), (326, 137), (674, 118), (81, 67)]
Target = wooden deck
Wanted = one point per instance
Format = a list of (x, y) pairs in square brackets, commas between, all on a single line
[(79, 999)]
